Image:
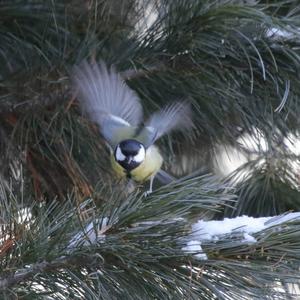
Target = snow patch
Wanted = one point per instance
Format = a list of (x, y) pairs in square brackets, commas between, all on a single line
[(194, 247), (249, 239), (210, 230), (91, 234)]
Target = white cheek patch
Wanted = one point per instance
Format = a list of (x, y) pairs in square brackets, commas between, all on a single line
[(140, 156), (119, 155)]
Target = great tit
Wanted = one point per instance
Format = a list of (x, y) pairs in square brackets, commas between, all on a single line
[(107, 100)]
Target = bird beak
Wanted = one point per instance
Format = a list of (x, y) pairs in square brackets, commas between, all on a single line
[(129, 159)]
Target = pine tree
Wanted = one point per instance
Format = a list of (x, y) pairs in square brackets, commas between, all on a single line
[(70, 230)]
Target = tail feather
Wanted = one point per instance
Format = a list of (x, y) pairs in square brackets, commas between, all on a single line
[(164, 177)]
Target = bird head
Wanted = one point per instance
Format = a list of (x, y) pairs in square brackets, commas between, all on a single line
[(130, 154)]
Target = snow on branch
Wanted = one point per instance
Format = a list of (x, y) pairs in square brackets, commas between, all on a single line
[(205, 231), (202, 231)]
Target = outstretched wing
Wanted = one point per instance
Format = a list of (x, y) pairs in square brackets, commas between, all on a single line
[(174, 116), (107, 100)]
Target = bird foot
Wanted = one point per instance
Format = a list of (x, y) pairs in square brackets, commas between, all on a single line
[(147, 193)]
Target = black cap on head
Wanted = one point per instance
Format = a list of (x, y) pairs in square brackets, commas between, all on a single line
[(130, 147)]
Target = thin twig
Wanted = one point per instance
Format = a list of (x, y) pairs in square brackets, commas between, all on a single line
[(133, 73), (25, 274)]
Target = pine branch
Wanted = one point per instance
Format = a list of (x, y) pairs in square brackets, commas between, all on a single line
[(237, 62), (148, 240), (32, 270)]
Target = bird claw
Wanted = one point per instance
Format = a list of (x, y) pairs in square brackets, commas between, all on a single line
[(147, 193)]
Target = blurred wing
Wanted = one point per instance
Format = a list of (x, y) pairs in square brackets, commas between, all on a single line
[(174, 116), (107, 100)]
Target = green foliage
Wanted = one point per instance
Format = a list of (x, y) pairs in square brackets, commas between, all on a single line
[(238, 64), (139, 250)]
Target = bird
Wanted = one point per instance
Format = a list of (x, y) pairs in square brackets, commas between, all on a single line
[(108, 101)]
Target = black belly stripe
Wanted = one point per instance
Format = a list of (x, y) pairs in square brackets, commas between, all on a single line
[(128, 174)]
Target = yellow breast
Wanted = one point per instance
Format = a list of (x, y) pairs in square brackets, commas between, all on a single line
[(149, 167)]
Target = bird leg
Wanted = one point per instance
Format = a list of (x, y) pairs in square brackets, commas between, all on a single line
[(147, 193)]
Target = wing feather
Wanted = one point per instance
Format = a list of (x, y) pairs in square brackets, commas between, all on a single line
[(175, 116), (107, 100)]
